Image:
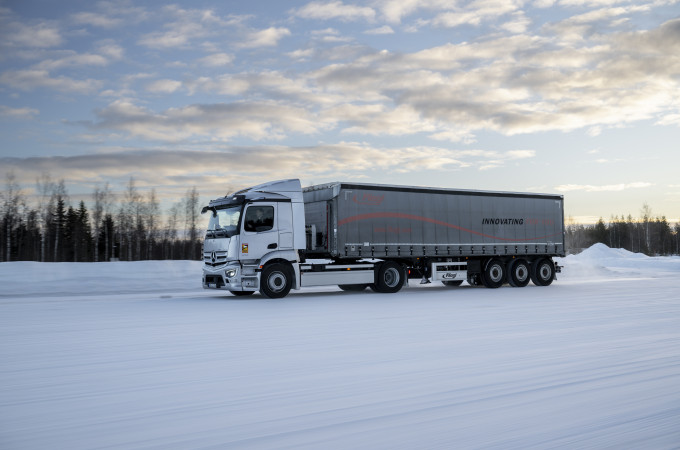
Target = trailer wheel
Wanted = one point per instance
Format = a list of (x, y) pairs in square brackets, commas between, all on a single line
[(519, 273), (494, 274), (353, 287), (276, 280), (452, 283), (389, 277), (542, 272)]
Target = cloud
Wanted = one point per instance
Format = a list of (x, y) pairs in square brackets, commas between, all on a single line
[(385, 29), (40, 35), (97, 20), (217, 60), (243, 166), (217, 122), (264, 38), (72, 59), (334, 10), (110, 49), (520, 83), (178, 36), (377, 119), (186, 26), (18, 113), (395, 10), (163, 86), (31, 79), (602, 188)]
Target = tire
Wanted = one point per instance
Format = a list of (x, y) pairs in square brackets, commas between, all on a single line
[(389, 277), (276, 280), (353, 287), (542, 272), (494, 274), (519, 273), (452, 283), (242, 293)]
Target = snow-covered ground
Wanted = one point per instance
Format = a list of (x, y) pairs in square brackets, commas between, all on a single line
[(137, 355)]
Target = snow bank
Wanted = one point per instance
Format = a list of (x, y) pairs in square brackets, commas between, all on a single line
[(602, 262), (34, 278)]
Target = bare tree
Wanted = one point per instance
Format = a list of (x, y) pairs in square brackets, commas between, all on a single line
[(646, 212), (12, 199), (152, 213), (191, 214), (170, 232), (127, 215), (45, 188), (102, 203)]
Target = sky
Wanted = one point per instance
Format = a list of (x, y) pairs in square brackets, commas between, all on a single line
[(574, 97)]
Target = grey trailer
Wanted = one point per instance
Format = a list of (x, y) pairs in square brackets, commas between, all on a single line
[(419, 226)]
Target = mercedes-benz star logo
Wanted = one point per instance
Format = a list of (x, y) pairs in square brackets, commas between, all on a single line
[(213, 257)]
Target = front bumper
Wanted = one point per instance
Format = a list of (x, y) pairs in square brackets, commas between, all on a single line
[(229, 277)]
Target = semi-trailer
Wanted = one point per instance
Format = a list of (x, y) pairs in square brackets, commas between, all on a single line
[(277, 236)]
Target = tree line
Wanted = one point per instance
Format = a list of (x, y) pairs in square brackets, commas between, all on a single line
[(645, 234), (128, 228), (133, 228)]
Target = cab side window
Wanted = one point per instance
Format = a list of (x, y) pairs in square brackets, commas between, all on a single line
[(259, 218)]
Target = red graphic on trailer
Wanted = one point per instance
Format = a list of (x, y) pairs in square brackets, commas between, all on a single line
[(368, 199)]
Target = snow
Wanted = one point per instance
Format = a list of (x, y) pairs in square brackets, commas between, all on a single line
[(137, 355)]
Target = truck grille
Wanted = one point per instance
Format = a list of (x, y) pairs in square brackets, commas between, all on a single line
[(215, 258)]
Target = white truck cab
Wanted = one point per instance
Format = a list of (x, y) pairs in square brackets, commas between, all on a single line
[(258, 226)]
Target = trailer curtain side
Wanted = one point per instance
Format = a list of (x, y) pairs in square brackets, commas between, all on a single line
[(361, 220)]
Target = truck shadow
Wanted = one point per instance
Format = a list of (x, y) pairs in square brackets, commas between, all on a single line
[(339, 293)]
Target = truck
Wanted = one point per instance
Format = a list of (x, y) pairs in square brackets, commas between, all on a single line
[(277, 236)]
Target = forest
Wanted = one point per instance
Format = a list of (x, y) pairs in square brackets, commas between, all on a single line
[(132, 227), (129, 228)]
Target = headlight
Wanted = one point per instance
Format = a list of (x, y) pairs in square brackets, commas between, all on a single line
[(230, 273)]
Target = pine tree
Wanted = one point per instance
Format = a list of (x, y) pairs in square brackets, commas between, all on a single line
[(58, 224)]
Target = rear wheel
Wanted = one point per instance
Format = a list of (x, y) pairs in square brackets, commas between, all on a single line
[(389, 277), (519, 273), (353, 287), (542, 272), (494, 274), (276, 280)]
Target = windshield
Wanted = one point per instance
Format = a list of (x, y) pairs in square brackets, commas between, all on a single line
[(224, 223)]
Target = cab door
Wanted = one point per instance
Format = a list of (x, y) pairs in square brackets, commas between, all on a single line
[(260, 235)]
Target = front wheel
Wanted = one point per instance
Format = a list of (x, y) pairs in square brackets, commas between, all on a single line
[(389, 277), (276, 280)]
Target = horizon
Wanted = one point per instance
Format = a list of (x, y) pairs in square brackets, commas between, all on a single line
[(579, 98)]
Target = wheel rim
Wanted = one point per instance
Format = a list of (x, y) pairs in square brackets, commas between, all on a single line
[(521, 273), (544, 272), (495, 273), (391, 277), (276, 281)]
